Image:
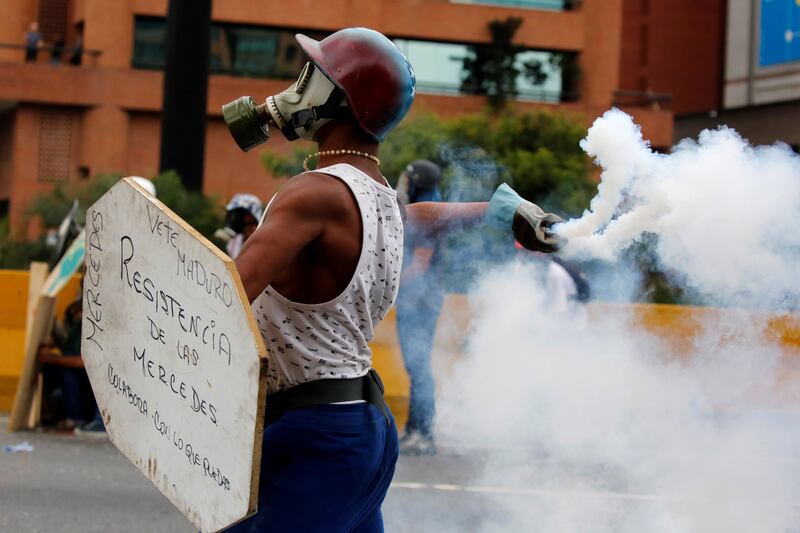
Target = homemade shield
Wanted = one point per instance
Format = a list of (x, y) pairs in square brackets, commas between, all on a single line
[(174, 356)]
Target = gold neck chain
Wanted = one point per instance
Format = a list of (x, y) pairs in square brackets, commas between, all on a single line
[(339, 152)]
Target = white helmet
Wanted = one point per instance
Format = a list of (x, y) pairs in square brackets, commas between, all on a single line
[(145, 184), (248, 202)]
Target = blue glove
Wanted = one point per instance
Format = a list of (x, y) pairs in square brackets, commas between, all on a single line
[(529, 223)]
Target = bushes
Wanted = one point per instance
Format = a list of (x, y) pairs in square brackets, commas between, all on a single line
[(200, 211), (18, 254), (536, 152)]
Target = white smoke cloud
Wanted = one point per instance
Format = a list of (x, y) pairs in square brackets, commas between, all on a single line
[(618, 432), (635, 438), (727, 215)]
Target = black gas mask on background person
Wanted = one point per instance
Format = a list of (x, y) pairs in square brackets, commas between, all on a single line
[(419, 182)]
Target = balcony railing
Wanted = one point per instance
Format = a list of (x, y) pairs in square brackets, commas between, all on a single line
[(45, 53), (649, 99), (553, 5), (526, 95)]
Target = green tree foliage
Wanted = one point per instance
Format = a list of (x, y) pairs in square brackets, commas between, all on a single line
[(54, 205), (18, 253), (539, 155), (537, 152), (419, 138), (282, 166), (201, 212), (490, 69), (493, 70)]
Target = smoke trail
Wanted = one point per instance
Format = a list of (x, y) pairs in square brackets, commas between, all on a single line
[(472, 175), (726, 214), (616, 430)]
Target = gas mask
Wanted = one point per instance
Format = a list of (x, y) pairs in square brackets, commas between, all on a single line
[(299, 111)]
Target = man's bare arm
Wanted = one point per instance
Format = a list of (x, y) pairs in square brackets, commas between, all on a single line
[(297, 216), (530, 225), (433, 218)]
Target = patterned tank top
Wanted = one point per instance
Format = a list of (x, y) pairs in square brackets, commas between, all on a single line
[(329, 340)]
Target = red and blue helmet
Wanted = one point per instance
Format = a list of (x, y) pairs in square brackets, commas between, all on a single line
[(376, 78)]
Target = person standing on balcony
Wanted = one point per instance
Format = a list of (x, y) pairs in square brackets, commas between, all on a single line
[(33, 42), (76, 54), (57, 49), (322, 271)]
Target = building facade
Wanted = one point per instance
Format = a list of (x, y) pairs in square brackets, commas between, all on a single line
[(720, 62), (673, 49), (760, 84), (61, 121)]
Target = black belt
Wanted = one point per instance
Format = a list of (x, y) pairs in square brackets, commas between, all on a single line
[(368, 388)]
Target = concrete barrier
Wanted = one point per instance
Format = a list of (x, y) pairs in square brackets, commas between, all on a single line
[(678, 325), (13, 307)]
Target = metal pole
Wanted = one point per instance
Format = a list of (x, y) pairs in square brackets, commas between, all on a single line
[(183, 118)]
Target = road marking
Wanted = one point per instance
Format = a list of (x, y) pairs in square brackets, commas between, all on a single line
[(547, 493), (408, 485), (567, 493), (527, 491)]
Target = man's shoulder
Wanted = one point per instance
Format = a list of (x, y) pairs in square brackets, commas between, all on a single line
[(315, 191)]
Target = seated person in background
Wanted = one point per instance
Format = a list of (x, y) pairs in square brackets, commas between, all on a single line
[(68, 394)]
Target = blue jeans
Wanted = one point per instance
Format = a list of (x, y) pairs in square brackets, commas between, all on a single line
[(325, 468), (77, 400), (418, 306)]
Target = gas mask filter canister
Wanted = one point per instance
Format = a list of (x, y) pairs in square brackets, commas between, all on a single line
[(299, 111)]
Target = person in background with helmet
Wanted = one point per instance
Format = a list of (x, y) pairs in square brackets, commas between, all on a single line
[(419, 303), (145, 184), (242, 215), (322, 271)]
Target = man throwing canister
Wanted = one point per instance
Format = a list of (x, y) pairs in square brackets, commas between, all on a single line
[(322, 271)]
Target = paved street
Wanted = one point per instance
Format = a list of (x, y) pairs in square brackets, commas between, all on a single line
[(83, 484)]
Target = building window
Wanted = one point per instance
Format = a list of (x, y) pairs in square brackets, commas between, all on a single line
[(439, 70), (260, 52), (236, 50), (149, 35), (556, 5)]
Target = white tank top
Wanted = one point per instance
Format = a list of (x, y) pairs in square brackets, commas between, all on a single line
[(330, 340)]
